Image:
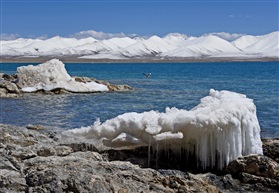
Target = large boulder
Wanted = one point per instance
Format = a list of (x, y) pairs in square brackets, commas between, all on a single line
[(255, 169), (256, 165)]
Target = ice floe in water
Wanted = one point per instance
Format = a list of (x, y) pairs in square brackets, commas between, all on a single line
[(221, 128), (52, 75)]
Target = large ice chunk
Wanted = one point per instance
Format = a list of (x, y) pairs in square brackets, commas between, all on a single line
[(221, 128), (52, 75)]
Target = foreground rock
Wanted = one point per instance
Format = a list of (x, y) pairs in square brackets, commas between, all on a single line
[(271, 148), (34, 160), (51, 78), (256, 169)]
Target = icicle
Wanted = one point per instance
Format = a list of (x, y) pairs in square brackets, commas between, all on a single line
[(149, 147), (157, 154), (221, 128)]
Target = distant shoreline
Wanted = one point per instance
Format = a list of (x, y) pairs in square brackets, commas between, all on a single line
[(136, 60)]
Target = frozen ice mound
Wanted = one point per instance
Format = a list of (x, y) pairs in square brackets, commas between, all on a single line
[(52, 75), (223, 127)]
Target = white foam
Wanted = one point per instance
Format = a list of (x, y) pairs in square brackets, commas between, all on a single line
[(223, 126), (53, 75)]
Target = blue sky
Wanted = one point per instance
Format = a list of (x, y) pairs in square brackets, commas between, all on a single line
[(33, 18)]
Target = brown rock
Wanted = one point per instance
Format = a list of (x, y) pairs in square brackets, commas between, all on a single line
[(9, 86), (271, 148), (256, 165), (46, 151), (35, 127), (252, 179)]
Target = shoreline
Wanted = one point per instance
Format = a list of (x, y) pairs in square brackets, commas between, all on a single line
[(137, 60), (35, 160)]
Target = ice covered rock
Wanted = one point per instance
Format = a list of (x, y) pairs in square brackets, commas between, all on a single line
[(52, 75), (223, 127)]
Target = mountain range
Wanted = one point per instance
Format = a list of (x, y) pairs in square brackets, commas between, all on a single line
[(171, 46)]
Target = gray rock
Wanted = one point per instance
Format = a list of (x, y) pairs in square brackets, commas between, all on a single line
[(252, 179), (111, 87), (256, 165), (9, 86), (256, 169), (46, 151), (12, 181), (5, 94), (32, 161), (271, 148), (35, 127), (63, 150)]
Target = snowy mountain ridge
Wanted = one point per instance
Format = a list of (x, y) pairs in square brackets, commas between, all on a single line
[(173, 45)]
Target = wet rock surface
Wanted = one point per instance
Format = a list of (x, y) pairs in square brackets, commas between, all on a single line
[(36, 160)]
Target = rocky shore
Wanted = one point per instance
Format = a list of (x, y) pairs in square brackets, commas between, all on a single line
[(11, 85), (33, 159)]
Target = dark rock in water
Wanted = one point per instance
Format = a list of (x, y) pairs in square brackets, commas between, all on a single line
[(8, 77), (8, 89), (83, 79), (271, 148), (111, 87)]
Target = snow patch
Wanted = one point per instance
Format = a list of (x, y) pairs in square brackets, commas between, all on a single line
[(52, 75)]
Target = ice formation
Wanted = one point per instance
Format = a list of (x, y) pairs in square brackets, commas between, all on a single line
[(53, 75), (221, 128)]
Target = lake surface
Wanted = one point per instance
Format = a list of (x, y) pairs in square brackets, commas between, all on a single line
[(180, 85)]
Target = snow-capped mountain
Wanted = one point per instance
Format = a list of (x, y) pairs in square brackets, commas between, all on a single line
[(173, 45), (203, 46), (151, 47)]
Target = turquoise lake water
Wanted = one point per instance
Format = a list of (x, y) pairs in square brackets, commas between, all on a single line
[(180, 85)]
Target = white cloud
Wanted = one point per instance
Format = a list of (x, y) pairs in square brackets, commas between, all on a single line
[(226, 36), (43, 37), (9, 36), (99, 35), (231, 16)]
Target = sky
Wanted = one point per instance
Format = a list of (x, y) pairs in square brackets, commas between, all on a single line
[(48, 18)]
